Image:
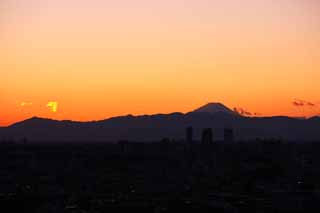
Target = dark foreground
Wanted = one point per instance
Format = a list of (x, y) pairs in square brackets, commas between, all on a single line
[(259, 176)]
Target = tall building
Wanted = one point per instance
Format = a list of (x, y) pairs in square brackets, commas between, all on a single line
[(124, 147), (207, 136), (189, 135), (228, 135)]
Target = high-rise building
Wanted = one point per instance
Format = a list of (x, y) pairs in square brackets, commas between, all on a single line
[(228, 135), (207, 136), (124, 146), (189, 135)]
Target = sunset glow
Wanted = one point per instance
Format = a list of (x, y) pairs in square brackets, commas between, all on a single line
[(99, 59), (53, 106)]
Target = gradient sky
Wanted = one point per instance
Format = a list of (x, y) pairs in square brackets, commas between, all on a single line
[(97, 58)]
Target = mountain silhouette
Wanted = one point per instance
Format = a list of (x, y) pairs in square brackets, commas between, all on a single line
[(155, 127), (215, 108)]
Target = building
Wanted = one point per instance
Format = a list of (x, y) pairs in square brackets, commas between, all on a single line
[(228, 135), (189, 135), (207, 136)]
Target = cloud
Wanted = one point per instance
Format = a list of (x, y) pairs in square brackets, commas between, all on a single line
[(303, 103), (53, 105), (25, 104), (244, 112)]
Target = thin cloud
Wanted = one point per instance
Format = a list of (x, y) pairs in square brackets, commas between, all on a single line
[(25, 104), (242, 111), (303, 103)]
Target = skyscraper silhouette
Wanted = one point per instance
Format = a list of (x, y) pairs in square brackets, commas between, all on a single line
[(207, 136), (228, 135), (189, 135)]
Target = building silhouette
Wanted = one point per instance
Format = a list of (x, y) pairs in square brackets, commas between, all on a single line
[(189, 135), (124, 146), (207, 136), (228, 135)]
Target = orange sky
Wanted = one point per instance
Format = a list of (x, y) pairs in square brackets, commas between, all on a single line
[(99, 59)]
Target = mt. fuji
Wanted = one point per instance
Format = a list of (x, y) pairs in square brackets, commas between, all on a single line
[(216, 108)]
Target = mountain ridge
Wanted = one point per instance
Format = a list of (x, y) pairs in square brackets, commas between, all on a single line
[(172, 125)]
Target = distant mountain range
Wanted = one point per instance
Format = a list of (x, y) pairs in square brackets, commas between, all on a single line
[(155, 127)]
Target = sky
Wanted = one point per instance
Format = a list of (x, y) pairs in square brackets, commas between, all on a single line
[(93, 59)]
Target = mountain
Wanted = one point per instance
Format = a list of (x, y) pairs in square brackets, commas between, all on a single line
[(215, 108), (315, 118), (156, 127), (35, 122)]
